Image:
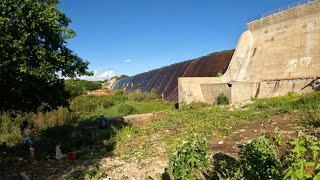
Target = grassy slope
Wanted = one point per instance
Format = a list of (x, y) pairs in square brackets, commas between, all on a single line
[(162, 136), (157, 138)]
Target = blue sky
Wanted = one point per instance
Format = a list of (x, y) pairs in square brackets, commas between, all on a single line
[(134, 36)]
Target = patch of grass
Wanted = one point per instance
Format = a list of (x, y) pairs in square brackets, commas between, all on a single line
[(126, 109), (89, 104), (139, 96), (222, 99), (289, 103), (211, 121), (52, 118)]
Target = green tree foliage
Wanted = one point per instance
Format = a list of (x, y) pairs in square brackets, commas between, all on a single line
[(78, 87), (33, 52), (121, 77)]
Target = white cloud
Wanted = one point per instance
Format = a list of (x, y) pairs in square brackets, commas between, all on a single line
[(127, 60), (99, 75)]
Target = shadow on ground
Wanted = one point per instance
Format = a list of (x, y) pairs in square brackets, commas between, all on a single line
[(88, 140)]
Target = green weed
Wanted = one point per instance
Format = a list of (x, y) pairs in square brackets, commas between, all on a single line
[(125, 109), (191, 159), (222, 99)]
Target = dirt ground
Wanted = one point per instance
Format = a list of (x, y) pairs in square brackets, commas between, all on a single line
[(245, 134), (119, 169)]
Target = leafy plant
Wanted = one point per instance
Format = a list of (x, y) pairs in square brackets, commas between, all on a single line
[(88, 104), (219, 74), (259, 159), (191, 159), (144, 96), (126, 109), (302, 161), (222, 99), (78, 87)]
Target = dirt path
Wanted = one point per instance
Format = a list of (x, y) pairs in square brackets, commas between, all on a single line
[(245, 134)]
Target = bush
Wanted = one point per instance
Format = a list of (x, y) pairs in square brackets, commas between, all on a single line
[(120, 96), (52, 118), (219, 74), (143, 96), (120, 93), (303, 155), (78, 87), (308, 101), (195, 106), (10, 129), (222, 99), (88, 104), (191, 159), (259, 160), (126, 109)]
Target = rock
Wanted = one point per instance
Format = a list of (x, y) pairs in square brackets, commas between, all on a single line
[(220, 142), (242, 130), (255, 130), (24, 176), (274, 123)]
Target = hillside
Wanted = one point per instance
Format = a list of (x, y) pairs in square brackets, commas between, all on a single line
[(138, 146)]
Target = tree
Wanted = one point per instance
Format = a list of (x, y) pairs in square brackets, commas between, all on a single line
[(34, 53)]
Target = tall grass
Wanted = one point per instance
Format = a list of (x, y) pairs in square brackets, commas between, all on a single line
[(10, 129), (88, 104), (53, 118)]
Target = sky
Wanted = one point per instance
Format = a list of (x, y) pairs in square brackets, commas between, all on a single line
[(134, 36)]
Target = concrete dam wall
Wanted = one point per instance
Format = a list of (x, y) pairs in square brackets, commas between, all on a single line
[(165, 79), (278, 54)]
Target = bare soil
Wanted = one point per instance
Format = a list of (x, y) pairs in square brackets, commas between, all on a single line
[(245, 134)]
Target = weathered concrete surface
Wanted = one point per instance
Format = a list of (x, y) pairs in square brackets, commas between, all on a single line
[(276, 55)]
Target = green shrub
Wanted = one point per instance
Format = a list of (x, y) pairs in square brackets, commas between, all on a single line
[(10, 129), (191, 159), (304, 152), (195, 106), (143, 96), (259, 160), (126, 109), (311, 119), (120, 93), (78, 87), (52, 118), (88, 104), (121, 77), (222, 99), (219, 74), (120, 96), (308, 101), (226, 167)]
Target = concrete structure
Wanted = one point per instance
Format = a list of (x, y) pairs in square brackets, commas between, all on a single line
[(278, 54)]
